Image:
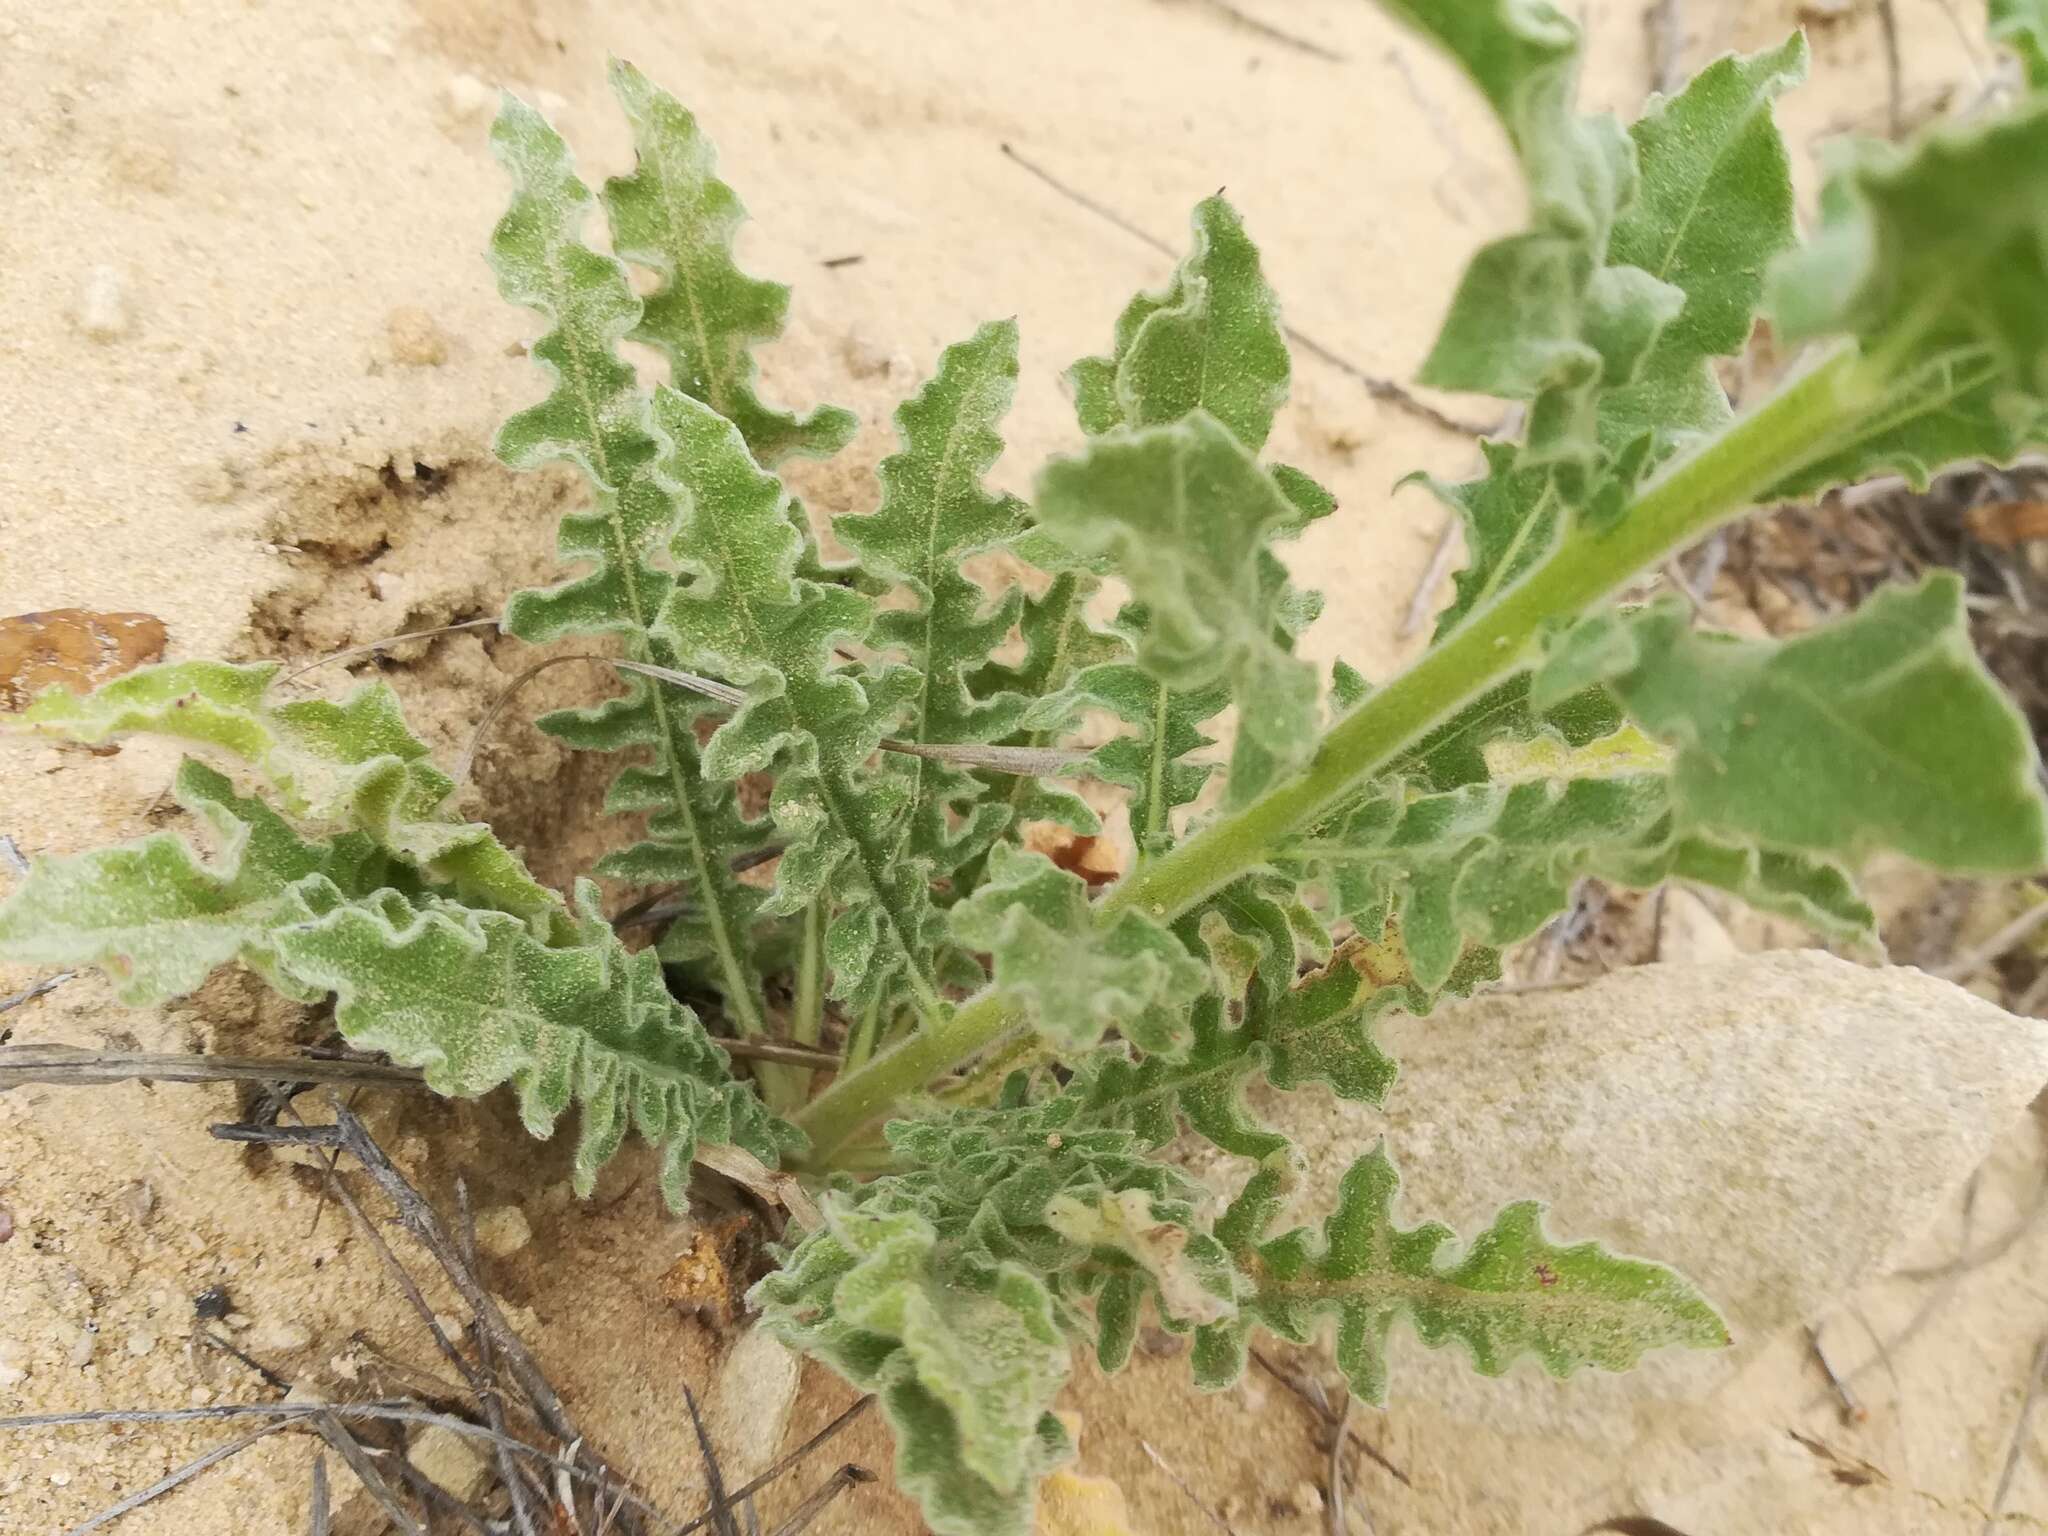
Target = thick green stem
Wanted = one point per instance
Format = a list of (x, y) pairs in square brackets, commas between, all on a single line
[(1717, 482)]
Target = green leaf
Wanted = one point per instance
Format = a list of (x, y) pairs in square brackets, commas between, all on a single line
[(474, 999), (2022, 25), (951, 1289), (1933, 258), (158, 919), (1714, 207), (1210, 340), (935, 514), (1075, 977), (597, 417), (1185, 512), (676, 218), (1880, 730), (347, 766), (740, 612), (1511, 1292)]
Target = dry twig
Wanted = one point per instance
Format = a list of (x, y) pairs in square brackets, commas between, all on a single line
[(2019, 1435)]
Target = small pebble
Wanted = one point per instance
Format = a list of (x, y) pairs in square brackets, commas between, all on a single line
[(102, 311), (60, 1479), (212, 1304), (141, 1343), (138, 1202), (503, 1230), (6, 1224), (416, 340), (83, 1346), (282, 1335), (1308, 1498), (12, 1372), (466, 96)]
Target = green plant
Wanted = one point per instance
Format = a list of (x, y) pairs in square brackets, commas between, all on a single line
[(1016, 1053)]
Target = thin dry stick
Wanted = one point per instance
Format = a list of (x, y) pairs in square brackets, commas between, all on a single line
[(860, 1406), (714, 1479), (1433, 574), (35, 989), (11, 855), (1379, 388), (1852, 1411), (72, 1066), (219, 1345), (1894, 86), (321, 1521), (1333, 1505), (350, 1450), (848, 1476), (1271, 33), (2019, 1436), (481, 1383), (172, 1479), (1182, 1484), (2011, 936), (385, 644), (1321, 1406)]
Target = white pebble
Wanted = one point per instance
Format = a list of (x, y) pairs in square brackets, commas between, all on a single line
[(141, 1343), (503, 1230), (280, 1335), (466, 96), (103, 312)]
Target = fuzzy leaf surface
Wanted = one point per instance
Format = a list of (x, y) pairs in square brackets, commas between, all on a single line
[(676, 218), (1185, 512), (1075, 978), (742, 613), (476, 1001), (936, 514), (347, 766), (952, 1289), (158, 919), (1880, 730), (1511, 1292), (1934, 257), (597, 417)]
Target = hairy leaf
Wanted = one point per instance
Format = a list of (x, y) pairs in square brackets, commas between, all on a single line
[(1879, 730), (474, 999), (1934, 258), (934, 515), (1714, 207), (741, 612), (1185, 512), (2022, 25), (951, 1289), (598, 418), (1511, 1292), (676, 218), (1075, 977), (349, 766), (158, 919)]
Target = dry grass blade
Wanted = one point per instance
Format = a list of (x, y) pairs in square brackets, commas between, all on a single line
[(1379, 388), (172, 1479), (321, 1521), (481, 1381), (2011, 936), (1182, 1484), (35, 989), (789, 1460), (370, 648), (72, 1066), (848, 1476), (714, 1477), (350, 1450), (2019, 1435)]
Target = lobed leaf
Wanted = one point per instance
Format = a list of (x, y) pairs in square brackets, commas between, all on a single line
[(1074, 977), (347, 766), (935, 514), (1512, 1292), (158, 919), (476, 1000), (950, 1290), (676, 218), (1184, 512), (741, 612)]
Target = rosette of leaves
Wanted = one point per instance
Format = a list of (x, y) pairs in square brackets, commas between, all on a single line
[(1391, 838)]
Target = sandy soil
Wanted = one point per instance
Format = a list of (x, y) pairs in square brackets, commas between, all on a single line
[(250, 358)]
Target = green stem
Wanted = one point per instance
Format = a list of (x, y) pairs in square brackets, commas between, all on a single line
[(790, 1087), (1719, 481)]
